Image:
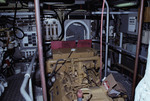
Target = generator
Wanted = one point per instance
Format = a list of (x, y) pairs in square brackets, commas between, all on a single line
[(72, 70)]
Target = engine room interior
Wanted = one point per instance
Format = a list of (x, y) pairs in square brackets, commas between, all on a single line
[(74, 50)]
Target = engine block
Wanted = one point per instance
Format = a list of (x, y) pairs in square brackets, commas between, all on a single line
[(80, 71)]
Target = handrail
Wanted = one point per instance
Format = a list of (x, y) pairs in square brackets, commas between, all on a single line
[(107, 41)]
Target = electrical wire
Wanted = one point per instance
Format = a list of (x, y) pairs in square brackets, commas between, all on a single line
[(101, 40), (56, 65), (14, 29), (61, 36), (64, 61), (15, 16), (62, 23), (54, 70), (87, 74)]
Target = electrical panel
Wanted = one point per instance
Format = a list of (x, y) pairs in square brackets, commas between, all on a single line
[(129, 24), (29, 44), (132, 21), (30, 40)]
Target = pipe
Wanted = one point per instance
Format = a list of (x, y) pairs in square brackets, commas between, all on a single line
[(51, 96), (101, 32), (22, 89), (117, 13), (25, 81), (30, 89), (40, 48), (138, 48), (129, 53), (51, 13), (124, 50), (121, 39), (107, 35), (24, 13)]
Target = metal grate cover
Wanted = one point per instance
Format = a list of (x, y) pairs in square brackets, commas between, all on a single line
[(12, 92)]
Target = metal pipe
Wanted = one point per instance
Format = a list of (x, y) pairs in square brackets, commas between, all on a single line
[(31, 64), (30, 89), (121, 39), (24, 13), (107, 35), (51, 96), (40, 48), (126, 12), (124, 50), (25, 81), (22, 89), (51, 12), (101, 34), (138, 48)]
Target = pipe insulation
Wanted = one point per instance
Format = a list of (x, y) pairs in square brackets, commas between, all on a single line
[(28, 97)]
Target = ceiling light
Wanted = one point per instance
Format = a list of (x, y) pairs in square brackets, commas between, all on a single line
[(2, 1), (126, 4)]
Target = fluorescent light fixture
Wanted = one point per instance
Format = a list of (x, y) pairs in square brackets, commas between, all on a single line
[(53, 3), (126, 4), (2, 1), (57, 4)]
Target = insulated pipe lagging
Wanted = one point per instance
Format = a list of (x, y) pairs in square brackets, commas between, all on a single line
[(31, 64), (23, 91), (26, 96), (107, 35), (30, 89)]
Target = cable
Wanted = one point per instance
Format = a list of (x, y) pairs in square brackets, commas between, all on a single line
[(64, 61), (88, 77), (52, 77), (54, 70), (14, 29), (15, 16), (62, 23), (56, 65), (87, 74)]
